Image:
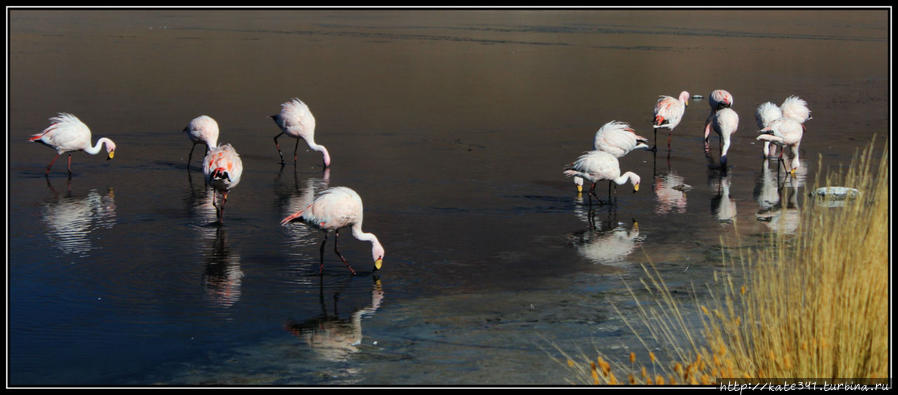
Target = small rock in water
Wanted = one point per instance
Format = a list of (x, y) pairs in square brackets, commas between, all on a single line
[(697, 97), (837, 193)]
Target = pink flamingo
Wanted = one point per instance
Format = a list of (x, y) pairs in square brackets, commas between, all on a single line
[(595, 166), (718, 99), (764, 115), (670, 110), (202, 129), (786, 132), (618, 139), (297, 121), (222, 168), (724, 122), (67, 133), (335, 208)]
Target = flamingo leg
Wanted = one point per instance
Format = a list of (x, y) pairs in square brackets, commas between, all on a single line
[(669, 134), (336, 237), (50, 166), (295, 148), (190, 156), (321, 250), (276, 145), (224, 201), (655, 147), (69, 167)]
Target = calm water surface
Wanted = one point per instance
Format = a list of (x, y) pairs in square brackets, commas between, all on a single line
[(453, 126)]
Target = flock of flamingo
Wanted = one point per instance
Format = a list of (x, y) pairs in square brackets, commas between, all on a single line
[(338, 207), (781, 126)]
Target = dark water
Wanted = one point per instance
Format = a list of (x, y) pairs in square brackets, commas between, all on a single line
[(453, 126)]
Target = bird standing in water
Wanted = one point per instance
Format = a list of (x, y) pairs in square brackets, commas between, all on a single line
[(718, 99), (618, 139), (724, 122), (335, 208), (595, 166), (668, 113), (296, 120), (202, 129), (222, 168), (785, 132), (67, 133)]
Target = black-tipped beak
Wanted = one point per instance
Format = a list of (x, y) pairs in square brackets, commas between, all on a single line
[(765, 131)]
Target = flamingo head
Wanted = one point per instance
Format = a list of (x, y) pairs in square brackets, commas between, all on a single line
[(635, 180), (220, 173), (110, 149), (377, 253), (684, 97), (579, 182)]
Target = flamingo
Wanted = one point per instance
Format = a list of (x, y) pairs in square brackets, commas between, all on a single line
[(297, 121), (669, 110), (609, 246), (796, 108), (724, 122), (718, 99), (335, 208), (202, 129), (764, 115), (67, 133), (595, 166), (722, 205), (618, 139), (222, 168), (785, 132)]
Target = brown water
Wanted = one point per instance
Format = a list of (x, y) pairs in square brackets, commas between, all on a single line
[(453, 126)]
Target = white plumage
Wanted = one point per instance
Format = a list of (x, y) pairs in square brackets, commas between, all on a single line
[(595, 166), (335, 208), (796, 108), (67, 133), (618, 139), (786, 132), (296, 120), (668, 113), (222, 168), (202, 129), (724, 122), (717, 100)]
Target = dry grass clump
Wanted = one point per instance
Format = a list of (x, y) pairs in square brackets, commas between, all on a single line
[(812, 305)]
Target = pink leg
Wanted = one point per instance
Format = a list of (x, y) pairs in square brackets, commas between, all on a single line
[(50, 166), (70, 165)]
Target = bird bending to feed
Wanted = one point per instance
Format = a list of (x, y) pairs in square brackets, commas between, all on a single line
[(296, 120), (202, 129), (668, 113), (724, 122), (222, 168), (335, 208), (793, 107), (595, 166), (718, 99), (764, 115), (785, 132), (618, 139), (67, 133)]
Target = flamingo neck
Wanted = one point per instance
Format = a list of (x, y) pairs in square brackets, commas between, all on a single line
[(320, 148), (96, 148), (363, 236), (624, 177)]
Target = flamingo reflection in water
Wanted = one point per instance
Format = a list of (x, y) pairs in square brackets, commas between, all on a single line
[(777, 213), (331, 337), (222, 277), (722, 205), (70, 220), (606, 242), (293, 198)]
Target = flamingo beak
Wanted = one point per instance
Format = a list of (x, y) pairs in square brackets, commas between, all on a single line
[(635, 226), (579, 188), (635, 188), (378, 263), (111, 154)]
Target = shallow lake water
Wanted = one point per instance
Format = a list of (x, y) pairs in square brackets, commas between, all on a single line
[(453, 126)]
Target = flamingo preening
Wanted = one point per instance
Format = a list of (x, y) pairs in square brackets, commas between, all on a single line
[(793, 107), (296, 120), (718, 99), (724, 122), (335, 208), (785, 132), (67, 133)]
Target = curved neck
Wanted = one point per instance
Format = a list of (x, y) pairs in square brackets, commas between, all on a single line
[(96, 148), (320, 148), (624, 177), (358, 234)]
